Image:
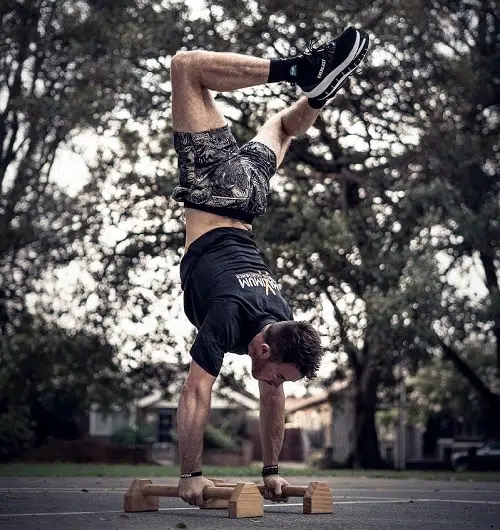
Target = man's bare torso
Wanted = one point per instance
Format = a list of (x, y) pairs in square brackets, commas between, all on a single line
[(199, 223)]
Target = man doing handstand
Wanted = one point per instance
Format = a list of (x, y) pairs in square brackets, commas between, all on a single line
[(230, 295)]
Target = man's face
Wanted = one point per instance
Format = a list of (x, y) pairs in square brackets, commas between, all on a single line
[(274, 373)]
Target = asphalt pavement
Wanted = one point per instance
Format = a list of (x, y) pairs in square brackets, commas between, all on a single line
[(359, 503)]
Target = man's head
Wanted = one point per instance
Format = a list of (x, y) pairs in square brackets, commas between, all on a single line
[(286, 351)]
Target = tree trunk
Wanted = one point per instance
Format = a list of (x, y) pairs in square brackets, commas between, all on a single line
[(366, 451), (494, 291)]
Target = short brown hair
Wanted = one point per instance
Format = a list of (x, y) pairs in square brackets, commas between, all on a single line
[(296, 343)]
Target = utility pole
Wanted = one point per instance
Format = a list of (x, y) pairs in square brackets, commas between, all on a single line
[(402, 420)]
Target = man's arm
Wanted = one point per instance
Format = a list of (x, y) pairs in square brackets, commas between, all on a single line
[(192, 416), (272, 431), (272, 422)]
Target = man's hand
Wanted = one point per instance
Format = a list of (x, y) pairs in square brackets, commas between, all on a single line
[(273, 484), (191, 489)]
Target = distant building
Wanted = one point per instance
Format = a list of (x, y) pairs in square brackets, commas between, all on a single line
[(154, 410), (328, 420)]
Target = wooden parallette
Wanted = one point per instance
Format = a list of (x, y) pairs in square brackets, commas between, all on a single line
[(317, 496), (243, 500)]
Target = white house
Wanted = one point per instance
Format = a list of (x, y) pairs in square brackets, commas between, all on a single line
[(154, 410)]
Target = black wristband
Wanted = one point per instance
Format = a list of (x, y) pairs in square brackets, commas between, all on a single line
[(193, 474), (270, 470)]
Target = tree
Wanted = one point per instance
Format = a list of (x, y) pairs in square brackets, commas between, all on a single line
[(351, 225), (458, 156), (65, 68), (350, 208), (50, 378), (439, 391)]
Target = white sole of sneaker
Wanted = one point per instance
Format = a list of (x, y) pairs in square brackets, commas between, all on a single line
[(357, 61), (321, 87)]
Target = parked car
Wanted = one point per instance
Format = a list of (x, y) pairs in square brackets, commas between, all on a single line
[(486, 457)]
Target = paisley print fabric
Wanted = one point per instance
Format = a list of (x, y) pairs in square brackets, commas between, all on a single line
[(216, 175)]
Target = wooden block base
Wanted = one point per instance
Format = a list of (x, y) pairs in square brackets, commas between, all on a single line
[(246, 501), (318, 499), (215, 504), (135, 501)]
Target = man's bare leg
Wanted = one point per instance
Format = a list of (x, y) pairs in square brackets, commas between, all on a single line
[(278, 132), (195, 73)]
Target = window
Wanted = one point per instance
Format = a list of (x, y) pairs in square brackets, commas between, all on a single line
[(101, 424), (165, 424)]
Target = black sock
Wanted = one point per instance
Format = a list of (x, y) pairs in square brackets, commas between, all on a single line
[(315, 104), (296, 70)]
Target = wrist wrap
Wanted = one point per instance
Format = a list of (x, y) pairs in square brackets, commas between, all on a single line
[(192, 474), (270, 470)]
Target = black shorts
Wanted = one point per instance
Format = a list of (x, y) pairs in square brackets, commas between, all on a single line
[(217, 176)]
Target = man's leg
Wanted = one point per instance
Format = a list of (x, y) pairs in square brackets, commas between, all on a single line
[(194, 74), (278, 132)]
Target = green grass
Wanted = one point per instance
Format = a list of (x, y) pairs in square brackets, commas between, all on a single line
[(96, 470)]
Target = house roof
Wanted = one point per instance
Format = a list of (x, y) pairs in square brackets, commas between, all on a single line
[(227, 399), (295, 404), (248, 402), (147, 401)]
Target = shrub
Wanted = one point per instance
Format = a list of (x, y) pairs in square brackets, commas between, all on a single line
[(16, 432), (143, 434), (218, 439), (88, 451), (215, 438)]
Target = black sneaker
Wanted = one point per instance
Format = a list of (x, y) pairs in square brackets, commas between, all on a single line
[(333, 63)]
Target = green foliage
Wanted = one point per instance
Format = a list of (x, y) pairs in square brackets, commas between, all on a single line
[(217, 438), (55, 376), (143, 434), (214, 438), (439, 389), (146, 377), (16, 432), (68, 68)]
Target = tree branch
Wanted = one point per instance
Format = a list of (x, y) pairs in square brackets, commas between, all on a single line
[(489, 398), (350, 349), (494, 292), (10, 153)]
